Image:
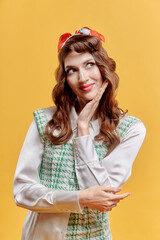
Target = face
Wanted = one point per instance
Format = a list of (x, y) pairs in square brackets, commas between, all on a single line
[(83, 75)]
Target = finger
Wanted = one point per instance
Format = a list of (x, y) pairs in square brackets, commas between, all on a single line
[(104, 86), (108, 209), (95, 102), (113, 202), (116, 191), (112, 189), (120, 196), (113, 205), (102, 90)]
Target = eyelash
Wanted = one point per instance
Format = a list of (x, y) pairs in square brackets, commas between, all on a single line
[(92, 63)]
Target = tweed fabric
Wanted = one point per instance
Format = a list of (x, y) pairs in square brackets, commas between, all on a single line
[(58, 172)]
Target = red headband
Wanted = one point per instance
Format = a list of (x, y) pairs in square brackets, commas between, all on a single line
[(85, 30)]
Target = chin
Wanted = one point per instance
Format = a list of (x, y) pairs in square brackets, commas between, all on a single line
[(88, 97)]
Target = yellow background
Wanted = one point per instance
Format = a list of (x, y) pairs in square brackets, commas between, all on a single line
[(28, 50)]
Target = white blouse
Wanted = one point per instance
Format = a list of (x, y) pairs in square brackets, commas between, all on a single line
[(31, 194)]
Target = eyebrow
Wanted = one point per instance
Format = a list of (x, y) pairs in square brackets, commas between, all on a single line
[(70, 66)]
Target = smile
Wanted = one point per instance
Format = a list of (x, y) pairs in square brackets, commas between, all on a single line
[(86, 87)]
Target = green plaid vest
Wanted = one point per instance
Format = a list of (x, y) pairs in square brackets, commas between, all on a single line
[(58, 172)]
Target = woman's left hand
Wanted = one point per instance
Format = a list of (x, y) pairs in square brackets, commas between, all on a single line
[(88, 111)]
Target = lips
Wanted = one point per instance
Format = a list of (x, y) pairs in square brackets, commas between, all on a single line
[(86, 87)]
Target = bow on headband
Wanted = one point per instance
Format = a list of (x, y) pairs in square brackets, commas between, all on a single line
[(85, 30)]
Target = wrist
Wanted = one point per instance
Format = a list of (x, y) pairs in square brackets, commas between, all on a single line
[(82, 199), (82, 129), (82, 132)]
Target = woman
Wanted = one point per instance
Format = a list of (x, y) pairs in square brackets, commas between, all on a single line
[(77, 154)]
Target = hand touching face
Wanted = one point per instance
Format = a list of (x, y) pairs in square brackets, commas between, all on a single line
[(89, 111)]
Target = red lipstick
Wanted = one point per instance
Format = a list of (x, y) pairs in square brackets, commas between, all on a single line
[(86, 87)]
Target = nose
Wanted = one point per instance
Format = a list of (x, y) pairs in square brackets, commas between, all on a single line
[(82, 76)]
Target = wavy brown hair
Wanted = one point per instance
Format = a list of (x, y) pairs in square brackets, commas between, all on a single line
[(109, 113)]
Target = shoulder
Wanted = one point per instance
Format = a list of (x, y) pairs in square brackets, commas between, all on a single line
[(50, 111), (45, 112), (130, 125), (41, 118)]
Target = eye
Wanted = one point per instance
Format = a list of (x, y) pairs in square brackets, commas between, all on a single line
[(70, 70), (90, 64)]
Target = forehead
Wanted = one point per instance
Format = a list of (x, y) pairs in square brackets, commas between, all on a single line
[(74, 58)]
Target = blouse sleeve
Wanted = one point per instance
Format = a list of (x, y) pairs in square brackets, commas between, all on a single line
[(28, 191), (115, 168)]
